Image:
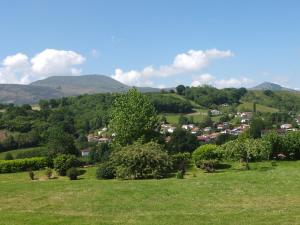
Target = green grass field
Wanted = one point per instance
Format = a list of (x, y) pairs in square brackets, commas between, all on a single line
[(15, 152), (198, 116), (263, 195), (248, 106)]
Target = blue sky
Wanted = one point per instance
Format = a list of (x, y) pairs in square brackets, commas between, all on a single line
[(152, 43)]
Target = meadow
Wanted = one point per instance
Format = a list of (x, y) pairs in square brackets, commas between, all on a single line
[(266, 194)]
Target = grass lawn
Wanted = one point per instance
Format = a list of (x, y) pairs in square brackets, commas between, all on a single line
[(248, 106), (198, 116), (263, 195)]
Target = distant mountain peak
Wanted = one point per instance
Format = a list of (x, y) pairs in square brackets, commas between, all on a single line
[(271, 86)]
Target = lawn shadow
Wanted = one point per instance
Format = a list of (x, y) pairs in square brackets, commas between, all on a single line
[(81, 172), (223, 166)]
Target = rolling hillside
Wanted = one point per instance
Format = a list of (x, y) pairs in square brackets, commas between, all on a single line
[(86, 84), (272, 87), (60, 86), (25, 94)]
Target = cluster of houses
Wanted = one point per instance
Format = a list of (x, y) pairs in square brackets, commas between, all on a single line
[(99, 137), (205, 135)]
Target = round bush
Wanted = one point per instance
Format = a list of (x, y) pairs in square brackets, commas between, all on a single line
[(141, 161), (64, 162), (180, 161), (72, 173), (105, 171), (246, 150), (204, 153)]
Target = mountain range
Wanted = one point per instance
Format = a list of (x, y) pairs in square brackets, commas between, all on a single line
[(64, 86)]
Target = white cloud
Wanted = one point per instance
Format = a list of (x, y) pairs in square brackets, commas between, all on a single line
[(15, 69), (208, 79), (204, 79), (19, 68), (193, 60), (56, 62)]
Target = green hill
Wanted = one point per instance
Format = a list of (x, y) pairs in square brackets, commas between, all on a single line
[(61, 86), (86, 84), (280, 100), (248, 106), (272, 87), (25, 94)]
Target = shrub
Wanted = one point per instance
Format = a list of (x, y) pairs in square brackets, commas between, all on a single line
[(204, 153), (180, 174), (8, 156), (105, 171), (18, 165), (276, 142), (138, 161), (291, 145), (180, 161), (31, 175), (48, 172), (64, 162), (209, 165), (72, 173), (246, 150)]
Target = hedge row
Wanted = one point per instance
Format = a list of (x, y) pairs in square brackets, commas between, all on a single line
[(18, 165)]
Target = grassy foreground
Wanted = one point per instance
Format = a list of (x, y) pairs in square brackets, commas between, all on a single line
[(263, 195)]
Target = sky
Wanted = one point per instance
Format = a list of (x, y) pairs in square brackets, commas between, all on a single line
[(157, 43)]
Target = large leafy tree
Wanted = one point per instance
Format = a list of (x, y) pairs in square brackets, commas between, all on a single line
[(60, 142), (256, 127), (132, 117), (180, 89), (182, 141)]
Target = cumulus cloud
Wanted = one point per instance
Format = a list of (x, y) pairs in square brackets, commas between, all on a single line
[(191, 61), (208, 79), (19, 68)]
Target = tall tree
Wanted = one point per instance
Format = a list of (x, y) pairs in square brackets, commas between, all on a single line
[(60, 142), (180, 89), (256, 127), (182, 141), (132, 117)]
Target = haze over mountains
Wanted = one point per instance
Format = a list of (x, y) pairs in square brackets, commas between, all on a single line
[(62, 86)]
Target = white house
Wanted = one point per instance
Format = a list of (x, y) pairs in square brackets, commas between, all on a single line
[(85, 152), (215, 112), (286, 126)]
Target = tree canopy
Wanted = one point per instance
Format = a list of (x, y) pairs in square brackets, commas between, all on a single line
[(132, 117)]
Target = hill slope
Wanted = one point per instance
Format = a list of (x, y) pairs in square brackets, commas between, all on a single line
[(86, 84), (272, 87), (60, 86), (25, 94)]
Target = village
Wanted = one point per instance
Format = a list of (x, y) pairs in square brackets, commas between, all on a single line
[(204, 135)]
